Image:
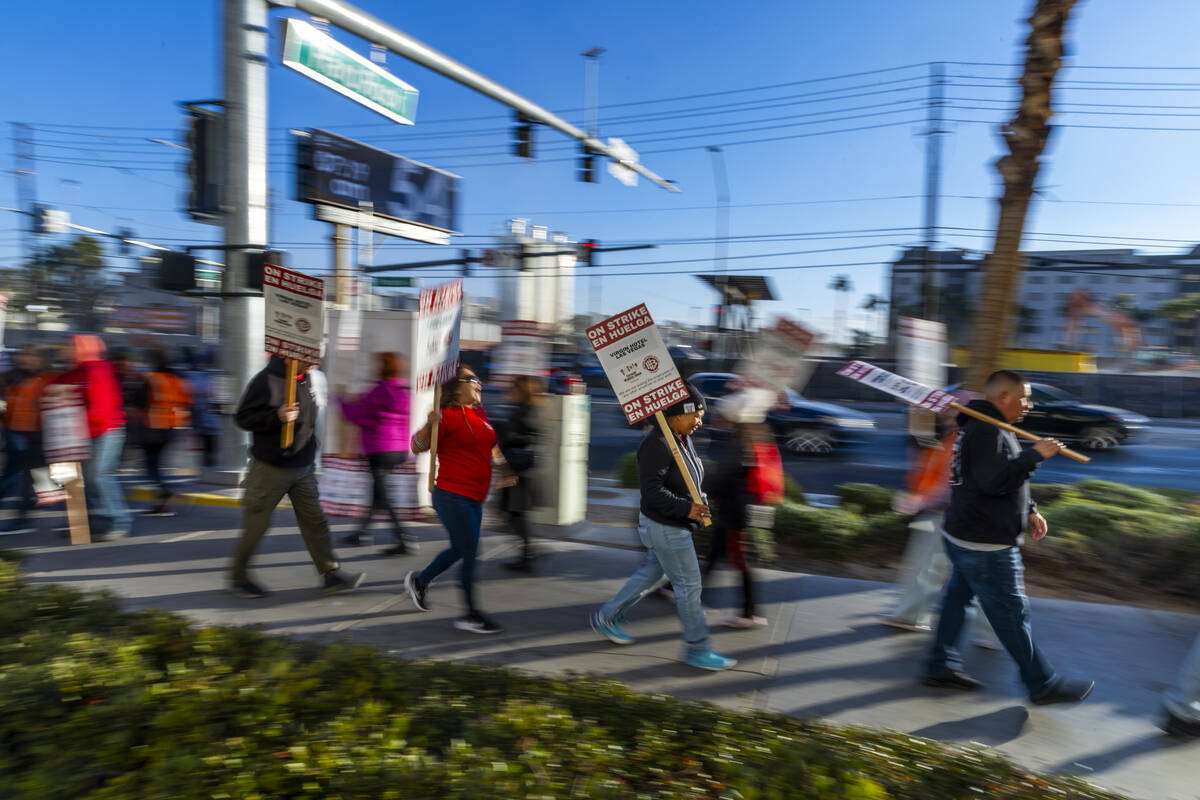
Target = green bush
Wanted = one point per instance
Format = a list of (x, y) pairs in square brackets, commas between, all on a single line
[(885, 533), (818, 532), (124, 706), (1181, 497), (1045, 494), (1123, 496), (792, 491), (865, 498), (627, 471)]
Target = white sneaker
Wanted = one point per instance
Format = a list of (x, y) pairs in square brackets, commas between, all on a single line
[(903, 625), (744, 623)]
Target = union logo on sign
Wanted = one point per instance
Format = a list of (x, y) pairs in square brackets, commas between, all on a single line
[(303, 325), (650, 364)]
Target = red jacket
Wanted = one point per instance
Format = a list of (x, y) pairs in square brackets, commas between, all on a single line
[(465, 442), (101, 392)]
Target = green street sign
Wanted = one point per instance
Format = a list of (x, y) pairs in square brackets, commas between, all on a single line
[(327, 61), (208, 275), (392, 283)]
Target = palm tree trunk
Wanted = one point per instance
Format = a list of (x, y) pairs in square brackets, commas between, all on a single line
[(1026, 138)]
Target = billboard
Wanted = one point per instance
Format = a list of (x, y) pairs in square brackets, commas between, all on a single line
[(334, 171)]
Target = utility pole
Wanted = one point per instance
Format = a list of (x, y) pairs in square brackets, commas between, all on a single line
[(245, 59), (26, 178), (341, 264), (933, 179), (720, 242)]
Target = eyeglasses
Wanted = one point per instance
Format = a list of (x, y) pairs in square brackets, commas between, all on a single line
[(473, 379)]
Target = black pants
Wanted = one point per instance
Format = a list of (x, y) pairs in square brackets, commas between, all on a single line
[(153, 448), (518, 523), (208, 449), (381, 466), (730, 544)]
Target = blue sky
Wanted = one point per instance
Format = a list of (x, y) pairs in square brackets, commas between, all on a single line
[(125, 65)]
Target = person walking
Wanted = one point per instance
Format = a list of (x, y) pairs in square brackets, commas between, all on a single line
[(383, 416), (276, 470), (205, 411), (666, 521), (466, 456), (164, 406), (96, 380), (518, 439), (748, 478), (990, 507), (23, 434)]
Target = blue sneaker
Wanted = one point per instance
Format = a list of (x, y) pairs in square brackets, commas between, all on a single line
[(710, 660), (610, 630)]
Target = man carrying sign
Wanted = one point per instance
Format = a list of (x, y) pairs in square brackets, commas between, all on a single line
[(990, 507)]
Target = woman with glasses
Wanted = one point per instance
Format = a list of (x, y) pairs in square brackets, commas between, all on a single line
[(466, 456)]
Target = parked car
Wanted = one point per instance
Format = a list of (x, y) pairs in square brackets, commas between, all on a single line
[(800, 425), (1065, 417)]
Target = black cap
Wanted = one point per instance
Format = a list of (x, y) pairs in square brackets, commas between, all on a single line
[(693, 403)]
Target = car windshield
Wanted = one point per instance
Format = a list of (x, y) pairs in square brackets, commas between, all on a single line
[(1050, 394)]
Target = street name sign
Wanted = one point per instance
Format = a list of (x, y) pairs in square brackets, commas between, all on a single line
[(327, 61), (295, 314), (637, 363), (393, 282)]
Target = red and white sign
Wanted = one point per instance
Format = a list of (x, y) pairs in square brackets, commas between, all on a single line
[(346, 489), (439, 318), (172, 320), (522, 351), (909, 391), (779, 360), (64, 426), (637, 363), (295, 314), (921, 350)]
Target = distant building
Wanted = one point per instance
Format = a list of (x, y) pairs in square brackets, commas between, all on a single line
[(1120, 285)]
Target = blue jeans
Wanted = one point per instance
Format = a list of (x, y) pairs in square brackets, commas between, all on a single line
[(22, 452), (462, 517), (1183, 700), (996, 578), (670, 553), (923, 575), (105, 499)]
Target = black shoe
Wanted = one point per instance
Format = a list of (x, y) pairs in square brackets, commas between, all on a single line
[(416, 591), (338, 581), (1065, 691), (356, 539), (477, 623), (160, 510), (522, 564), (1175, 726), (955, 679), (401, 548), (248, 589)]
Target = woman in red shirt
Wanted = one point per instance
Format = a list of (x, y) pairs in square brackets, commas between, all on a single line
[(466, 454)]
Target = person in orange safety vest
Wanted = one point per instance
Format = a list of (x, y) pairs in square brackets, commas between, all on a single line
[(163, 404)]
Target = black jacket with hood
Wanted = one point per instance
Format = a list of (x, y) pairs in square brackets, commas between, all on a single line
[(989, 481), (665, 496), (258, 412)]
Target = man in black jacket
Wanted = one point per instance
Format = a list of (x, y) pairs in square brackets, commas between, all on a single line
[(990, 508), (668, 518), (275, 471)]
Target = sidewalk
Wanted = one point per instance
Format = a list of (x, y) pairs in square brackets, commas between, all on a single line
[(822, 655)]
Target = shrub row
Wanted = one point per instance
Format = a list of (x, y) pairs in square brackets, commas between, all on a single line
[(104, 704)]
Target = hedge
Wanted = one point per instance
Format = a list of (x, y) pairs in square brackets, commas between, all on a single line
[(104, 704)]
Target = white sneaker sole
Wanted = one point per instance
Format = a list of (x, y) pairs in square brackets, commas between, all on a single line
[(473, 628), (411, 585), (732, 663)]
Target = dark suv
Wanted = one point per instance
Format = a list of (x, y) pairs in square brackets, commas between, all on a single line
[(800, 425)]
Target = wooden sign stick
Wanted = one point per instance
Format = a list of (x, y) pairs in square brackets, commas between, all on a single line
[(433, 436), (693, 490), (289, 428), (970, 412)]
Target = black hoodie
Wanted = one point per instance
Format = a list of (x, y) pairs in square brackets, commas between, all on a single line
[(258, 412), (989, 481), (665, 496)]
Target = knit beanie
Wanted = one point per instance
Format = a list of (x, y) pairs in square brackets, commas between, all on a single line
[(691, 404)]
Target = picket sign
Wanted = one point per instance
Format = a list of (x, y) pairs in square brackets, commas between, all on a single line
[(935, 400), (439, 319), (346, 489), (293, 327), (643, 376), (65, 443)]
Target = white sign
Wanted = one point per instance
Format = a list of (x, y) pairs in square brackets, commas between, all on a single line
[(627, 155), (3, 315), (64, 426), (522, 351), (779, 361), (439, 317), (637, 363), (295, 314), (921, 350), (912, 392)]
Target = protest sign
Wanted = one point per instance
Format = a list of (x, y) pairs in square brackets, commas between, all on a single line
[(64, 426), (522, 351), (295, 314), (637, 363), (439, 316), (779, 361)]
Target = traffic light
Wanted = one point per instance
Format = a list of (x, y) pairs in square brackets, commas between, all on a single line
[(523, 136), (466, 263), (177, 272), (585, 252), (587, 166), (255, 260), (205, 167)]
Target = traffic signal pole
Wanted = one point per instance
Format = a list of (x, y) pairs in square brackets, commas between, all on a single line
[(246, 52)]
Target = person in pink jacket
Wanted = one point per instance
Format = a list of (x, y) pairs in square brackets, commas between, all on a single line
[(382, 413)]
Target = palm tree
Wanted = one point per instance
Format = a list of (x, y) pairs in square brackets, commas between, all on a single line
[(843, 286), (1026, 138)]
